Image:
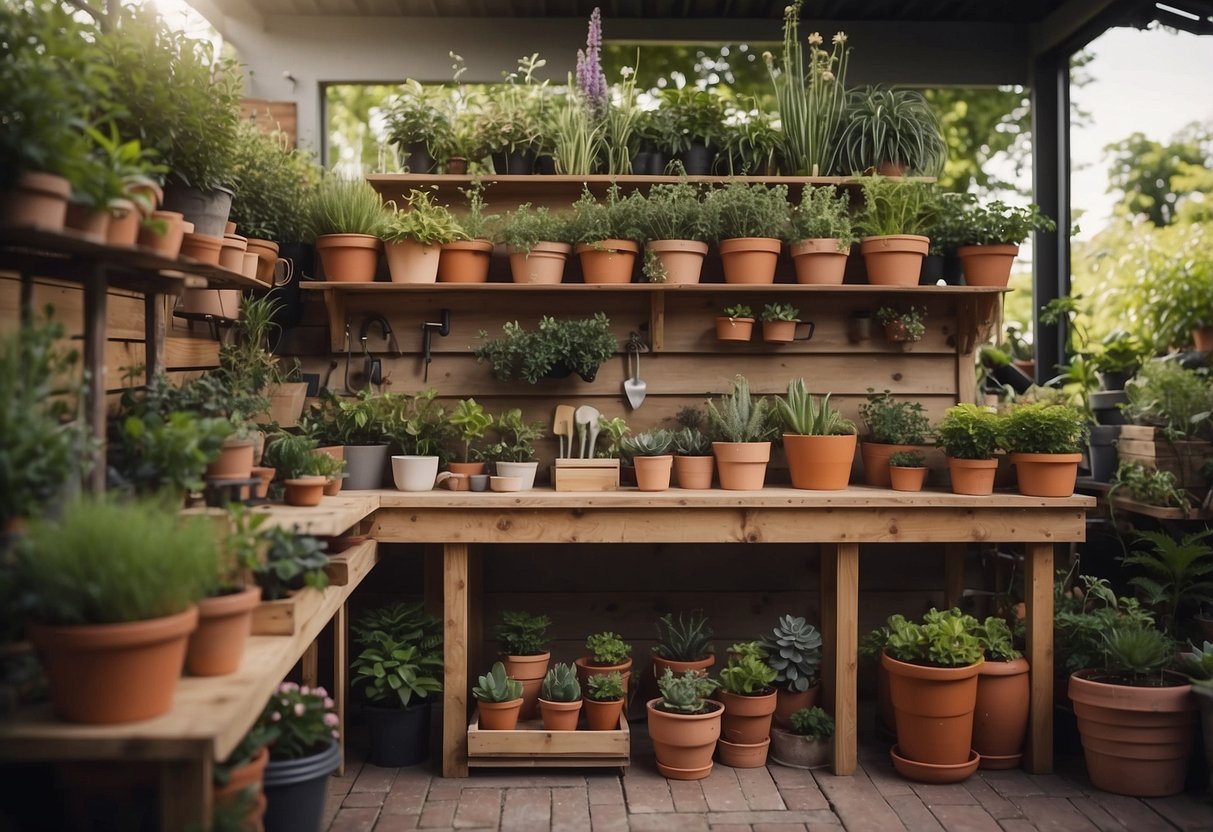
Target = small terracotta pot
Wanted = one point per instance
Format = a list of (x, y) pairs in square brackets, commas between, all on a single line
[(333, 487), (684, 742), (1000, 717), (779, 332), (734, 329), (742, 465), (875, 456), (267, 258), (249, 265), (750, 259), (789, 702), (660, 664), (92, 223), (819, 261), (694, 472), (235, 461), (988, 265), (529, 670), (163, 233), (202, 248), (231, 254), (242, 777), (907, 479), (499, 716), (820, 463), (266, 475), (743, 755), (457, 166), (653, 472), (1046, 475), (224, 624), (124, 223), (411, 262), (467, 468), (602, 716), (348, 258), (897, 333), (973, 476), (559, 716), (586, 669), (934, 710), (465, 261), (795, 751), (608, 261), (543, 264), (38, 201), (304, 491), (747, 719), (895, 260), (681, 259)]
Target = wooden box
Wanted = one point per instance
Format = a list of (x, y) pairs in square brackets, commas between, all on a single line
[(529, 745), (284, 616), (586, 474), (1183, 458)]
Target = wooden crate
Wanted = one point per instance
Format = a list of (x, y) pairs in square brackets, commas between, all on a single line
[(1183, 458), (284, 616), (586, 474), (529, 745)]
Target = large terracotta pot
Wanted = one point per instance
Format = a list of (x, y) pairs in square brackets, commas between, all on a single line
[(747, 719), (744, 754), (465, 261), (1000, 718), (681, 259), (164, 234), (241, 778), (92, 223), (973, 476), (988, 265), (224, 624), (907, 479), (1204, 695), (529, 670), (38, 201), (742, 465), (348, 258), (660, 664), (788, 702), (820, 463), (543, 264), (1046, 475), (499, 716), (734, 329), (795, 751), (875, 456), (559, 716), (895, 260), (602, 716), (586, 669), (694, 472), (819, 261), (608, 261), (201, 247), (750, 259), (684, 742), (1136, 740), (235, 461), (107, 674), (409, 261), (933, 707), (266, 252), (653, 472)]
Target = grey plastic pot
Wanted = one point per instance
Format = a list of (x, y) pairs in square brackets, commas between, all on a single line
[(295, 790), (207, 210), (1105, 404), (1102, 451), (367, 465)]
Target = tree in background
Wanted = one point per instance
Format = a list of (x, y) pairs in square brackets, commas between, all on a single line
[(1156, 179)]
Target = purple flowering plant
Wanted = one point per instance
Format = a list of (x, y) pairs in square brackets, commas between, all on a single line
[(591, 80), (299, 721)]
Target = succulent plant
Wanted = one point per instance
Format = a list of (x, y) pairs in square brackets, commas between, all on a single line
[(691, 442), (497, 687), (795, 648), (684, 694), (605, 687), (685, 640), (560, 684), (654, 442)]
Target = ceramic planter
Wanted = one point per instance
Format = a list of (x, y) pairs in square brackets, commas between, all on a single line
[(875, 456), (742, 465), (469, 469), (1000, 717), (305, 492), (559, 716), (1046, 475), (38, 201), (694, 472), (242, 777), (201, 247), (653, 472), (286, 402), (973, 476), (747, 719), (608, 261), (499, 716), (788, 702), (163, 233), (525, 471), (795, 751), (92, 223), (348, 258), (529, 670), (820, 463), (411, 472), (933, 707), (894, 260), (543, 264), (366, 465), (465, 261), (602, 716), (819, 261), (744, 755), (907, 479), (750, 259), (779, 332), (207, 210), (224, 624), (109, 674), (681, 259), (734, 329), (295, 790), (399, 736), (409, 261), (684, 742), (988, 265)]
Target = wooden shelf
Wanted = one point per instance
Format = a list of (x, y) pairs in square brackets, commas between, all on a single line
[(386, 288)]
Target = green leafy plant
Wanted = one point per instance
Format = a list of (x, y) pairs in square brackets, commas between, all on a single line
[(794, 648), (239, 549), (779, 312), (1176, 576), (1137, 655), (892, 126), (685, 694), (560, 684), (416, 115), (515, 438), (607, 649), (472, 422), (997, 223), (738, 311), (690, 442), (907, 459), (749, 141), (747, 675), (912, 321), (742, 209), (739, 417), (1120, 352), (748, 648), (364, 419), (298, 721), (1150, 486), (273, 181), (614, 429), (945, 638), (822, 214), (293, 456), (405, 621), (800, 414), (672, 211), (497, 687), (969, 432), (345, 206), (522, 634), (578, 346), (813, 723), (655, 442), (418, 424), (292, 561), (695, 116), (950, 225), (392, 672), (605, 687), (894, 206), (1166, 395), (526, 226), (151, 452), (1044, 429), (593, 221), (684, 640), (996, 640), (891, 422), (425, 221), (1083, 615), (474, 224), (512, 119)]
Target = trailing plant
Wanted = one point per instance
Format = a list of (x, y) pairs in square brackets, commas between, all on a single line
[(969, 432), (1166, 395), (1044, 429), (605, 687), (822, 214), (273, 180), (794, 649), (813, 723), (738, 311), (895, 206), (1175, 577), (891, 422), (779, 312), (800, 414), (690, 442), (997, 223), (345, 206), (907, 459), (522, 634), (578, 346), (292, 561), (684, 640), (912, 320), (742, 209), (515, 438), (299, 721), (425, 222), (747, 675), (673, 211), (497, 687), (739, 417), (607, 648), (655, 442), (560, 684), (685, 694), (471, 421), (890, 126), (945, 638), (525, 226), (392, 672)]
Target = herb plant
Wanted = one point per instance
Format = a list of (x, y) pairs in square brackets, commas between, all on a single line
[(943, 639), (911, 320), (800, 414), (894, 206), (673, 211), (475, 223), (684, 640), (345, 206), (969, 432), (997, 223), (1166, 395), (471, 421), (415, 115), (891, 422), (696, 117), (1044, 429), (739, 311), (996, 640), (822, 214), (607, 649), (522, 634), (424, 222), (747, 675), (526, 226), (813, 723), (273, 181), (739, 417), (593, 221), (1153, 487), (579, 346), (515, 438), (907, 459), (747, 210)]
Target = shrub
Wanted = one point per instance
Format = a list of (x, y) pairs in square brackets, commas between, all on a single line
[(969, 432), (891, 422)]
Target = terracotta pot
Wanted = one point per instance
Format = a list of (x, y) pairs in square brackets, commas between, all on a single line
[(409, 261), (266, 475), (747, 719), (681, 259), (1000, 717), (973, 476), (544, 263), (1046, 475), (933, 774), (684, 742), (608, 261), (249, 266), (124, 223), (1136, 740), (220, 303), (788, 702), (743, 755), (468, 468), (224, 624), (286, 403), (875, 456), (304, 491), (987, 265), (457, 166), (820, 463), (886, 720), (241, 778), (653, 472), (529, 670), (114, 673), (499, 716), (750, 259), (38, 201), (465, 261), (820, 261), (704, 666), (586, 669), (602, 716), (694, 472), (1202, 338), (231, 254), (795, 751), (163, 233), (907, 479), (742, 465), (202, 248), (267, 258), (933, 707), (779, 332), (1204, 695), (894, 260), (734, 329), (92, 223), (235, 461), (348, 258), (559, 716)]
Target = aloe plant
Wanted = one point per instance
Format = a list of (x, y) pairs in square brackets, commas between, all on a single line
[(739, 417), (800, 413), (560, 684)]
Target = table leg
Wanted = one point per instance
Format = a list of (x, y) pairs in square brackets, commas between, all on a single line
[(953, 573), (1038, 592), (455, 670), (186, 792), (341, 666), (840, 622)]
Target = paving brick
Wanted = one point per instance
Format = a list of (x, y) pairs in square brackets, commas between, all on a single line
[(688, 796), (996, 805), (647, 792), (1017, 825), (522, 778), (790, 778), (396, 823), (354, 820), (770, 816), (408, 793), (1012, 784), (527, 810), (823, 827), (478, 807), (355, 800), (733, 827), (957, 818), (374, 779), (913, 813), (1052, 785), (857, 803), (759, 788), (1053, 814), (722, 791), (609, 817), (666, 823), (1136, 814), (437, 814), (446, 789), (778, 827), (806, 799), (570, 809), (886, 780), (954, 795), (1181, 810), (604, 789)]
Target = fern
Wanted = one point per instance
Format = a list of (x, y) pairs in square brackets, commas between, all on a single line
[(1178, 574)]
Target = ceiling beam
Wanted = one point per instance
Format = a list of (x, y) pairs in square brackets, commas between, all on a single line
[(219, 13), (1065, 22)]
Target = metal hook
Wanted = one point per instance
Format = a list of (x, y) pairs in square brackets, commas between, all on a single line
[(636, 343)]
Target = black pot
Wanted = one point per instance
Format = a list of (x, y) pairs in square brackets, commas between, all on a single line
[(641, 162), (399, 736), (368, 466), (1106, 407), (1102, 452), (519, 162), (546, 165), (295, 790), (697, 160), (207, 210), (1114, 380), (418, 159), (657, 163), (561, 370), (932, 270), (290, 308), (1012, 376), (953, 274)]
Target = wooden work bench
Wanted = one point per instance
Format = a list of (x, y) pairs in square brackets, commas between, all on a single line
[(840, 521)]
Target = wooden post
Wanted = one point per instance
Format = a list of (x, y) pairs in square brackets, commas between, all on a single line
[(1038, 592), (95, 296), (840, 622), (455, 649), (953, 573), (153, 335), (341, 666), (310, 672), (186, 791)]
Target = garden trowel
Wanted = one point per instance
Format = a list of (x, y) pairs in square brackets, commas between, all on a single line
[(633, 387)]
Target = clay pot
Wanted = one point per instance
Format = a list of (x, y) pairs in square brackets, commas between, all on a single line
[(744, 755), (286, 402), (875, 456), (220, 303), (895, 260), (933, 774), (684, 742), (163, 233), (411, 262), (660, 664), (499, 716), (681, 259), (988, 265), (108, 674), (235, 461), (694, 472), (747, 719), (267, 257), (467, 468), (795, 751), (788, 702), (1202, 339), (973, 476), (124, 223), (779, 332), (465, 261), (933, 708), (559, 716), (742, 465), (1046, 475), (39, 201), (242, 777), (1204, 695), (750, 259), (819, 262), (734, 329), (231, 254), (304, 491), (602, 716), (248, 267), (653, 472), (1000, 717), (529, 670), (266, 475), (820, 463), (608, 261), (224, 624), (586, 669), (543, 264), (348, 258), (907, 479), (92, 223), (202, 248)]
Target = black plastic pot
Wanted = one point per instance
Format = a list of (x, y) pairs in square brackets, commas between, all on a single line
[(207, 210), (641, 162), (399, 736), (290, 310), (1011, 376), (418, 159), (368, 466), (545, 165), (513, 164), (1106, 406), (953, 273), (932, 270), (697, 160), (1114, 380), (295, 790), (1102, 452)]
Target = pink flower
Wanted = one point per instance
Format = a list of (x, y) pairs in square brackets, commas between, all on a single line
[(336, 735), (288, 687), (305, 690), (330, 720), (299, 709), (320, 691), (329, 703), (275, 716)]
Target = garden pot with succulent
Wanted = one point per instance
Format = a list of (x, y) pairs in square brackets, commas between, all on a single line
[(414, 237), (1197, 664), (671, 220), (806, 741), (893, 426), (683, 644), (605, 696), (1045, 442), (794, 650), (499, 699), (346, 218), (969, 435), (684, 725), (907, 471), (741, 428), (524, 640), (693, 460), (650, 454), (994, 234), (819, 441), (779, 322), (537, 242), (608, 654), (892, 219), (747, 692), (736, 324), (560, 698), (820, 236), (749, 221)]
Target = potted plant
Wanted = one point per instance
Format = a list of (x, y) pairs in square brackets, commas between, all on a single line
[(499, 699), (604, 700), (524, 641), (807, 742), (291, 562), (820, 236), (510, 121), (513, 455), (749, 221), (238, 782), (555, 349), (736, 324), (1116, 359), (683, 644), (303, 473), (693, 460), (1171, 575), (694, 120), (1000, 720), (536, 240), (303, 753), (605, 236), (779, 322), (891, 222), (110, 590), (907, 470), (359, 424), (418, 125), (1197, 664), (900, 325), (560, 698), (794, 650), (684, 725), (608, 654), (414, 238), (992, 244), (969, 435), (1045, 442), (741, 428), (466, 259), (650, 453), (750, 142), (947, 230), (819, 441), (892, 132), (748, 695), (892, 426), (672, 222), (471, 422), (345, 218)]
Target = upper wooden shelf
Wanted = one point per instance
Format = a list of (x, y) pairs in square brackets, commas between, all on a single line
[(643, 288)]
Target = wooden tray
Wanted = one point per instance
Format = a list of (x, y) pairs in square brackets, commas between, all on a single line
[(529, 745), (284, 616), (586, 475)]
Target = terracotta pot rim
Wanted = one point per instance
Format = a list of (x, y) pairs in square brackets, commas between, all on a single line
[(497, 706), (311, 479), (714, 710), (118, 635), (232, 603), (560, 706), (924, 671), (987, 249), (611, 245), (689, 246), (755, 745), (485, 246), (1108, 694), (818, 245), (1013, 667), (544, 248), (348, 241), (972, 463), (532, 657), (766, 244), (51, 184), (1045, 459), (916, 238)]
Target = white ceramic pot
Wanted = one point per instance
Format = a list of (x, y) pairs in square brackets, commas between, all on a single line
[(523, 470), (414, 473)]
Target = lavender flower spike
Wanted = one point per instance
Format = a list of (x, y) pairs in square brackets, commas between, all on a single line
[(591, 80)]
